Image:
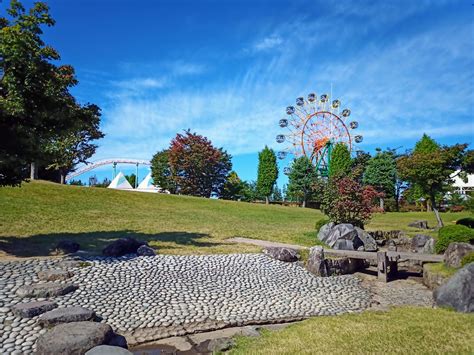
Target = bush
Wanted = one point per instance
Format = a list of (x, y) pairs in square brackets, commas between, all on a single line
[(451, 234), (456, 208), (469, 258), (321, 223), (468, 222)]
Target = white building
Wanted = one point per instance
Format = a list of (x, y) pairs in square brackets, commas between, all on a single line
[(461, 186)]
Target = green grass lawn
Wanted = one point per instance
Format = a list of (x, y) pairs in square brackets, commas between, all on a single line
[(406, 330), (34, 217)]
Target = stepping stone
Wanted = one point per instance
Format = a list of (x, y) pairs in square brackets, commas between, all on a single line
[(66, 315), (49, 289), (108, 350), (73, 338), (32, 309), (55, 275)]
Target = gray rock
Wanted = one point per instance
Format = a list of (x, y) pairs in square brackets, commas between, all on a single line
[(392, 245), (108, 350), (343, 244), (344, 266), (316, 263), (343, 231), (429, 247), (458, 291), (368, 242), (66, 315), (122, 246), (73, 338), (118, 340), (282, 254), (32, 309), (54, 275), (455, 252), (222, 344), (419, 224), (49, 289), (324, 231), (145, 250), (67, 246)]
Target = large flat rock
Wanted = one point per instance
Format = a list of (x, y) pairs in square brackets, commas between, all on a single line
[(108, 350), (32, 309), (48, 289), (66, 315), (54, 275), (73, 338)]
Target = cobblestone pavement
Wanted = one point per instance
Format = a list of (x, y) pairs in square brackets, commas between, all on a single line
[(148, 298)]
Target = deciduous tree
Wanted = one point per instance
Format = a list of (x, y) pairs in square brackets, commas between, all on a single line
[(301, 179), (198, 168), (161, 171), (233, 187)]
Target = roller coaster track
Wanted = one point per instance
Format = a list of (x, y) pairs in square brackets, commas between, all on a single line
[(98, 163)]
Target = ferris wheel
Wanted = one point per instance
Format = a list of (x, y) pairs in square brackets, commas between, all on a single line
[(313, 126)]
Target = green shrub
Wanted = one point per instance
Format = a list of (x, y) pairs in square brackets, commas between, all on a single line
[(468, 222), (321, 223), (469, 258), (451, 234)]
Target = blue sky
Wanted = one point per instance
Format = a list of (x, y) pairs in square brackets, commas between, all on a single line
[(228, 69)]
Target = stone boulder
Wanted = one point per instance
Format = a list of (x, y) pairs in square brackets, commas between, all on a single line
[(455, 252), (367, 240), (118, 340), (458, 291), (282, 254), (145, 250), (67, 246), (419, 224), (65, 315), (342, 231), (32, 309), (324, 231), (344, 266), (108, 350), (316, 263), (421, 243), (54, 275), (49, 289), (122, 247), (73, 338)]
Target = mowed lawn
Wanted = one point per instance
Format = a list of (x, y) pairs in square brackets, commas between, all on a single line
[(406, 330), (34, 217)]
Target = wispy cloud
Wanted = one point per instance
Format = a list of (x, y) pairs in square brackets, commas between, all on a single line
[(267, 43)]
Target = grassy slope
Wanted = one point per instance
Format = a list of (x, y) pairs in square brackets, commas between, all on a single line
[(42, 213), (405, 330), (34, 217)]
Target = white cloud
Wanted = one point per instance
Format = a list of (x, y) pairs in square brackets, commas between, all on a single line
[(267, 43)]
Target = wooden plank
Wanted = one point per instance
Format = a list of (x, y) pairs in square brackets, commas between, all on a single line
[(382, 263), (433, 258), (351, 254)]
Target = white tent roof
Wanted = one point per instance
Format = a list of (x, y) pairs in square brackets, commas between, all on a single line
[(147, 185), (120, 183)]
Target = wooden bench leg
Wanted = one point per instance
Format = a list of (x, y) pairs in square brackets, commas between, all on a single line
[(382, 262)]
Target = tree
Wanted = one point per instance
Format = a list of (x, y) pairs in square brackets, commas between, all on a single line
[(233, 187), (432, 170), (161, 171), (301, 179), (74, 146), (340, 161), (359, 164), (267, 172), (345, 200), (198, 168), (277, 194), (381, 173), (249, 191), (34, 93), (132, 179)]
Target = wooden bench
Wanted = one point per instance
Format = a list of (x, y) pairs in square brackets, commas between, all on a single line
[(386, 260)]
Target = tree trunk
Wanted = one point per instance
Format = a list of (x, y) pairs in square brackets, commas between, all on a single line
[(62, 177), (304, 203), (438, 217), (381, 203), (33, 171), (267, 201)]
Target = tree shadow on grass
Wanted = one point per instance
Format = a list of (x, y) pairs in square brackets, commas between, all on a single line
[(94, 242)]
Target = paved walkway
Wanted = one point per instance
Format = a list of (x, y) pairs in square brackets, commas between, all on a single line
[(148, 298), (264, 243)]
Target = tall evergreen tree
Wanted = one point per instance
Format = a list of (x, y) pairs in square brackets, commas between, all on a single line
[(301, 179), (267, 172), (340, 161), (381, 173)]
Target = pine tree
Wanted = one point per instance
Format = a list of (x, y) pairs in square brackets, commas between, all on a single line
[(301, 179), (340, 161), (267, 172)]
